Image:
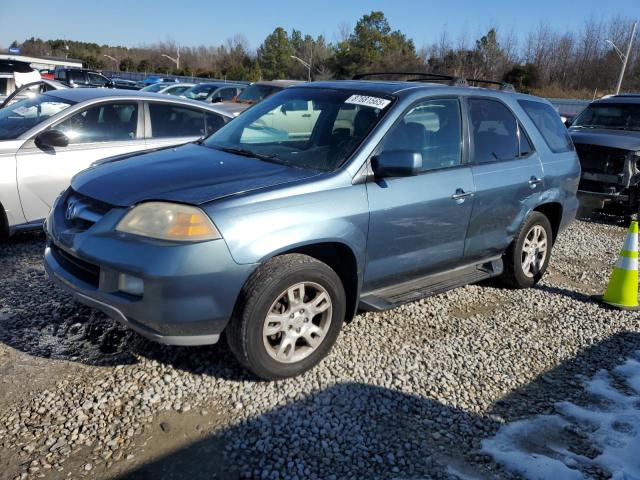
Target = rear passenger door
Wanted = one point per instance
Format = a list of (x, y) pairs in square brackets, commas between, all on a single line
[(507, 174), (418, 224), (173, 124)]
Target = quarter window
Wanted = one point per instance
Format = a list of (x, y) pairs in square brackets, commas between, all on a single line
[(549, 124), (102, 123), (432, 128), (494, 130), (175, 121)]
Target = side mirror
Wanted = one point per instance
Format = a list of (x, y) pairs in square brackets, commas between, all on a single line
[(216, 99), (52, 138), (110, 84), (568, 122), (397, 163), (284, 108)]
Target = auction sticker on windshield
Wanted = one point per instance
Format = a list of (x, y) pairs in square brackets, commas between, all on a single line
[(375, 102)]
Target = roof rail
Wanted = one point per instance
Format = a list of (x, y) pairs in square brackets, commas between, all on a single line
[(507, 87), (421, 77)]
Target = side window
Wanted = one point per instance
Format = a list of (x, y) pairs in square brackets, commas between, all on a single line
[(494, 130), (296, 106), (227, 94), (77, 76), (175, 121), (432, 128), (214, 122), (102, 123), (549, 124), (97, 79)]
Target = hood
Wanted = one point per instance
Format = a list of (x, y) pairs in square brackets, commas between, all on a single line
[(623, 139), (192, 174), (232, 108)]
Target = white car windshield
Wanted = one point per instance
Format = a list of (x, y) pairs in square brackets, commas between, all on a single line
[(309, 128), (21, 116)]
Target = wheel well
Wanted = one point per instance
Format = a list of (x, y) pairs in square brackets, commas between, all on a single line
[(343, 261), (553, 211)]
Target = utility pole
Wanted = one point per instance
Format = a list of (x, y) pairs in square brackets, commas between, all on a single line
[(623, 56), (306, 64), (115, 60), (174, 60)]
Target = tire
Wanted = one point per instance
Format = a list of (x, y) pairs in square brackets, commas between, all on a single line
[(4, 225), (514, 274), (274, 290)]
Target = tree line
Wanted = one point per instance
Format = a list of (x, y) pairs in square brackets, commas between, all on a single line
[(544, 61)]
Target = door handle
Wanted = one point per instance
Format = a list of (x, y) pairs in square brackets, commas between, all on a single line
[(534, 181), (306, 115), (460, 196)]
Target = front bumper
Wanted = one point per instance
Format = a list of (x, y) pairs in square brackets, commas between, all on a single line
[(190, 290)]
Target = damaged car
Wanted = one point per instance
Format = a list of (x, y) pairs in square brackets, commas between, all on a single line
[(607, 139)]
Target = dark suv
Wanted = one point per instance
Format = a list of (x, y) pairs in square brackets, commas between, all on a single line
[(386, 192), (607, 138), (81, 77)]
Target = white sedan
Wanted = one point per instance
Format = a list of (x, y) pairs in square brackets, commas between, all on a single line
[(47, 139)]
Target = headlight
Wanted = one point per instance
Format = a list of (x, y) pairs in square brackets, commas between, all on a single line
[(169, 221)]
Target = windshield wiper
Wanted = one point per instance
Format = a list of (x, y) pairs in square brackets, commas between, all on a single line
[(246, 153)]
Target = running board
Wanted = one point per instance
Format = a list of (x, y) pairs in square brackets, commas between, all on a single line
[(427, 286)]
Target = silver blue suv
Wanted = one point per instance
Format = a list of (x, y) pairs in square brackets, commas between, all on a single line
[(384, 193)]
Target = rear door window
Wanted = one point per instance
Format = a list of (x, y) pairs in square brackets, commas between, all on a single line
[(549, 124), (494, 131), (108, 122), (175, 121)]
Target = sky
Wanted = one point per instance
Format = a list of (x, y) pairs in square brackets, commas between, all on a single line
[(200, 22)]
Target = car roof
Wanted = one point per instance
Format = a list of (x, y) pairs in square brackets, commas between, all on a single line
[(396, 87), (221, 83), (622, 98), (279, 83), (86, 94)]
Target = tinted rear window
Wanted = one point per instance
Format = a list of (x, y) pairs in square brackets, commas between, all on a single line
[(549, 124)]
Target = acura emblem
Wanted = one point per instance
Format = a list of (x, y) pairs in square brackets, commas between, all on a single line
[(71, 211)]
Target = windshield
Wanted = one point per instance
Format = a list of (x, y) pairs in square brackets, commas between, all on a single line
[(256, 93), (200, 92), (619, 116), (156, 87), (309, 128), (21, 116)]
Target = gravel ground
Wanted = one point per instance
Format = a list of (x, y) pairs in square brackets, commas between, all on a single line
[(408, 393)]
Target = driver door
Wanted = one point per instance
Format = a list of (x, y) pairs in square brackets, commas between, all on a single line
[(98, 132)]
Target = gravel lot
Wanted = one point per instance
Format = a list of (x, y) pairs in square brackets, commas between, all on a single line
[(409, 393)]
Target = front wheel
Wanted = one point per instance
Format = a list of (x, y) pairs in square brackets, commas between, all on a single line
[(288, 317), (527, 258)]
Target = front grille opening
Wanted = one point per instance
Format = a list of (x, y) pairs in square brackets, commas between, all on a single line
[(81, 212), (598, 159), (85, 271)]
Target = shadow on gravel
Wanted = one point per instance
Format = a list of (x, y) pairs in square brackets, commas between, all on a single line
[(39, 319), (354, 430)]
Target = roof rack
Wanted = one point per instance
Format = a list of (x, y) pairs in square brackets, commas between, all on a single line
[(507, 87), (421, 77), (438, 77)]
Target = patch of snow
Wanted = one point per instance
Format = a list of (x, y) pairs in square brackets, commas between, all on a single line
[(546, 446)]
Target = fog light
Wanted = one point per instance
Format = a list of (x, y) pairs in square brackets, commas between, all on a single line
[(130, 284)]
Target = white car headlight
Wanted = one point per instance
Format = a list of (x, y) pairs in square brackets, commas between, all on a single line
[(169, 221)]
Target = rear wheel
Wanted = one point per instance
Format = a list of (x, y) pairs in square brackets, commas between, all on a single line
[(288, 317), (527, 258), (4, 225)]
